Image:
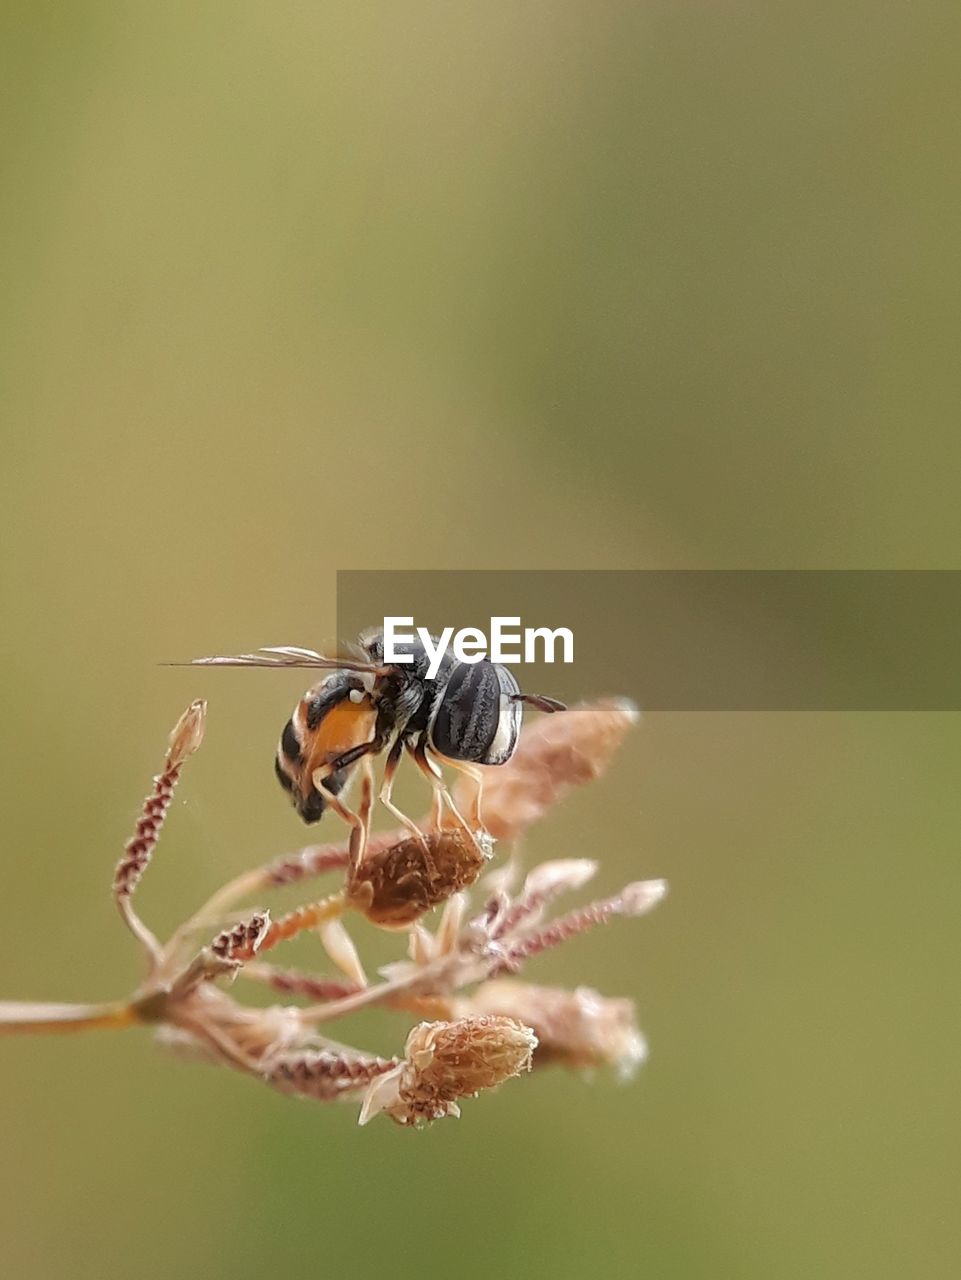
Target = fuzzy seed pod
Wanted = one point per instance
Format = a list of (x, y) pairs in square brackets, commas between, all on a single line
[(445, 1061), (395, 886)]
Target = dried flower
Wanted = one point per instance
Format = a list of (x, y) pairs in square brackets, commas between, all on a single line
[(445, 1061), (474, 1041), (396, 885), (579, 1029)]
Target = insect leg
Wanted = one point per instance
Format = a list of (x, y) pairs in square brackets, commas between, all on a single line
[(390, 770), (365, 809), (356, 753), (363, 752), (442, 796), (476, 777), (539, 701), (358, 831)]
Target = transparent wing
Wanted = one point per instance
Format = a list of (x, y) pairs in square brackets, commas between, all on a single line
[(281, 656)]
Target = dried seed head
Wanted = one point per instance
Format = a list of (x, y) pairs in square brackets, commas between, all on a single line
[(186, 737), (290, 982), (188, 733), (458, 1059), (580, 1029), (546, 882), (313, 860), (325, 1075), (633, 900), (445, 1061), (554, 753), (395, 886), (243, 939)]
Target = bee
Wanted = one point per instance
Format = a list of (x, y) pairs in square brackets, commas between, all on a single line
[(468, 715)]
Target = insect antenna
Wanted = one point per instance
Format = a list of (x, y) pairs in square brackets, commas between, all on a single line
[(539, 701)]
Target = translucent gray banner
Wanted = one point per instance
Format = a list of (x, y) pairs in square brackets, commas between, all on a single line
[(703, 640)]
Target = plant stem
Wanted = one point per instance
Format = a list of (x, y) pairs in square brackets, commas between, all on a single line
[(26, 1016)]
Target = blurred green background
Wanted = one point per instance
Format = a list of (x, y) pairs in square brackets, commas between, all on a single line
[(289, 287)]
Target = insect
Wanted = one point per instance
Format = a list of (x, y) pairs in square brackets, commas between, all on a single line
[(469, 715)]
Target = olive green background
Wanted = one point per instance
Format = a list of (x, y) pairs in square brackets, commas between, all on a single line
[(292, 287)]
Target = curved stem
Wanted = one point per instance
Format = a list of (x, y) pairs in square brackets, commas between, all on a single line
[(331, 1009), (248, 882), (145, 936)]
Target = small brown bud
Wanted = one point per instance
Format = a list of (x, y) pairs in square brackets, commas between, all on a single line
[(579, 1029), (445, 1061), (188, 734), (395, 886)]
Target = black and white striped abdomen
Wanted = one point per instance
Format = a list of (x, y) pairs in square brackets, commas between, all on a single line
[(474, 717)]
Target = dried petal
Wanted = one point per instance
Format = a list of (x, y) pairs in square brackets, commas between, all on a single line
[(450, 924), (563, 875), (420, 945), (339, 945)]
